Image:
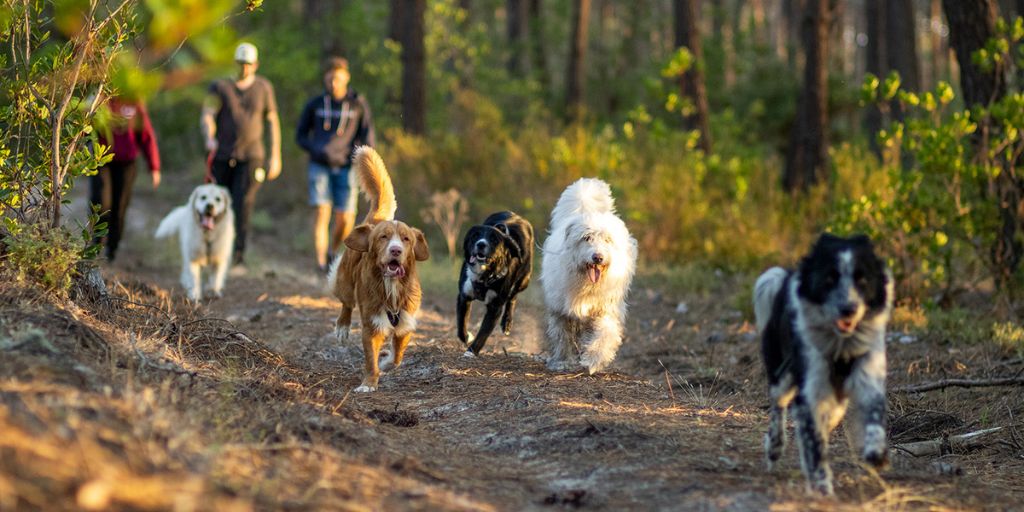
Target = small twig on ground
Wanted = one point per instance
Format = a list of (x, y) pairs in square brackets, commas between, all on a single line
[(960, 383), (944, 445), (668, 382)]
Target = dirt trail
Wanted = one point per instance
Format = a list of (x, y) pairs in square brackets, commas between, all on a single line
[(503, 432), (140, 401)]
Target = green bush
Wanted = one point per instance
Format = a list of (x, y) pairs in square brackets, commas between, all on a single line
[(44, 256)]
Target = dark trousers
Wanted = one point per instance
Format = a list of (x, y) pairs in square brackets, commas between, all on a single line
[(111, 188), (237, 176)]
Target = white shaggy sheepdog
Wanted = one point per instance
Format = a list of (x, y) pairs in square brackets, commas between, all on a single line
[(589, 261), (206, 231)]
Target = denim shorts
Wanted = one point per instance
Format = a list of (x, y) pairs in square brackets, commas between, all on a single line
[(332, 185)]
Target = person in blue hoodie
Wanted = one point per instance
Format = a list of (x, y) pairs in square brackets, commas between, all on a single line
[(331, 126)]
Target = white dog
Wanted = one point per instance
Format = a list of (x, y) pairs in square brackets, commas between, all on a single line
[(206, 229), (589, 261)]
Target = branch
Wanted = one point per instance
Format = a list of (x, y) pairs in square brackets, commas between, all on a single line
[(943, 445), (960, 383)]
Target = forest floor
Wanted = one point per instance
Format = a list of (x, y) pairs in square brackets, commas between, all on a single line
[(139, 400)]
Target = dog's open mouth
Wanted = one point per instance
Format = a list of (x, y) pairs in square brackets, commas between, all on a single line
[(594, 272), (845, 325), (478, 259), (394, 269), (207, 221)]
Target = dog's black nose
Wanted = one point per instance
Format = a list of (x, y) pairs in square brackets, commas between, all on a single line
[(209, 209), (848, 309), (597, 258), (481, 244)]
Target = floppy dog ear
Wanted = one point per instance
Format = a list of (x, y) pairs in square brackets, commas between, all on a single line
[(468, 241), (513, 247), (226, 194), (420, 249), (359, 240)]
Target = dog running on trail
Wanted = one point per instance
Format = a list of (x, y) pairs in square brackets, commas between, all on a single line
[(377, 273)]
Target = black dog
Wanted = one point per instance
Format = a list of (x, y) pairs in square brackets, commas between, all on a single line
[(499, 260), (823, 340)]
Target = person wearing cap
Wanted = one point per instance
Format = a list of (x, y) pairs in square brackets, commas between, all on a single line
[(126, 131), (232, 125), (331, 126)]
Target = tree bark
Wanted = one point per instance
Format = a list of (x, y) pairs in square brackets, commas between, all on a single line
[(971, 24), (692, 82), (807, 157), (901, 48), (515, 18), (875, 56), (575, 75), (410, 32), (940, 69), (540, 61)]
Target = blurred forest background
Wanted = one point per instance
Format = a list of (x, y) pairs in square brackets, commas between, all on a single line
[(732, 132)]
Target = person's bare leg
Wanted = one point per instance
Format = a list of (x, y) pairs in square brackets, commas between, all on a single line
[(321, 232), (343, 224)]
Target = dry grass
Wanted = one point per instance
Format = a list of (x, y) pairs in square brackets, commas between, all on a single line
[(141, 401)]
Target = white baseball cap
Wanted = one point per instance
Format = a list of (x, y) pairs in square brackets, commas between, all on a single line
[(246, 53)]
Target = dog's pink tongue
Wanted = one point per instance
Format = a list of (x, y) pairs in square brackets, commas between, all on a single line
[(845, 325), (207, 222), (594, 274)]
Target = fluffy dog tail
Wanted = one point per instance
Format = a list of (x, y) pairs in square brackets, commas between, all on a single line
[(586, 195), (172, 223), (376, 184), (766, 289), (332, 275)]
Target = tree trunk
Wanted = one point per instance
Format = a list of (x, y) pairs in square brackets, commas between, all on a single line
[(414, 94), (515, 17), (940, 69), (807, 157), (971, 24), (901, 48), (540, 61), (577, 56), (874, 58), (692, 82)]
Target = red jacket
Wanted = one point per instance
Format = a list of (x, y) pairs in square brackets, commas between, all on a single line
[(132, 133)]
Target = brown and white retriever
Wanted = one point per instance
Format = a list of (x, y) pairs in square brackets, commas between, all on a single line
[(378, 272)]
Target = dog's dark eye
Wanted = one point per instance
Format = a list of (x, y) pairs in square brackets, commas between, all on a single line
[(405, 239), (217, 199), (202, 198), (588, 238)]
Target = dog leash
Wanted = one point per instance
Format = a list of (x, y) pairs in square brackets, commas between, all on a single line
[(209, 169)]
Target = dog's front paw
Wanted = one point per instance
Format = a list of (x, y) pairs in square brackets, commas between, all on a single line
[(821, 483), (215, 294), (506, 327), (468, 354), (875, 452), (342, 333), (591, 363), (365, 389)]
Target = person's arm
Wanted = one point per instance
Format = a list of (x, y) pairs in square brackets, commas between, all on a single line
[(208, 122), (274, 165), (303, 137), (147, 140)]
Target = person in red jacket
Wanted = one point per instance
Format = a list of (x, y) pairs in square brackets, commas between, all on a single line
[(128, 133)]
